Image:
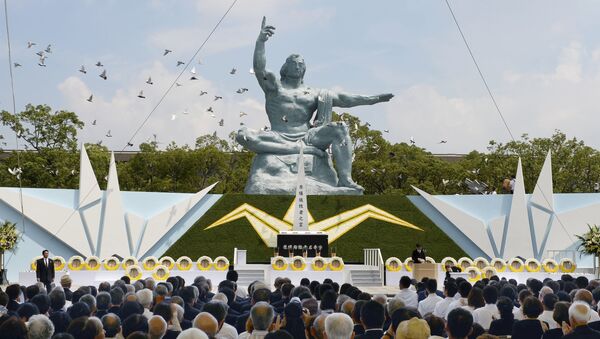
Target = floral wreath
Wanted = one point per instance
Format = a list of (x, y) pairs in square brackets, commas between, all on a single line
[(76, 263), (161, 272), (319, 264), (149, 263), (393, 264), (408, 264), (33, 264), (473, 273), (464, 260), (550, 265), (336, 264), (532, 262), (184, 263), (498, 264), (93, 263), (134, 272), (480, 263), (111, 264), (294, 263), (567, 265), (167, 261), (488, 272), (128, 261), (204, 263), (446, 260), (430, 260), (519, 262), (221, 263), (59, 263), (279, 263)]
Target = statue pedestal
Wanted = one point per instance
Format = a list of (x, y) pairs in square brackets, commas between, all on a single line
[(277, 174)]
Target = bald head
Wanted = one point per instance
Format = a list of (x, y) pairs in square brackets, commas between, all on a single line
[(318, 327), (157, 327), (579, 313), (348, 306), (207, 323), (584, 296)]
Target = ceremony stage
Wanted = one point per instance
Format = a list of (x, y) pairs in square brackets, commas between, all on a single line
[(363, 230), (371, 274)]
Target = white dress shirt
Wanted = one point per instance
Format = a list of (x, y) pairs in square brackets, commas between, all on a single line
[(484, 315), (409, 297), (427, 305), (456, 304), (256, 334), (518, 313), (227, 332), (547, 317), (441, 307)]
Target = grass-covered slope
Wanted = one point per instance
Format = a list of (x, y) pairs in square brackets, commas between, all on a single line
[(393, 240)]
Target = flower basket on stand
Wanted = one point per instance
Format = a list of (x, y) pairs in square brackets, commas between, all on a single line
[(9, 236), (590, 244)]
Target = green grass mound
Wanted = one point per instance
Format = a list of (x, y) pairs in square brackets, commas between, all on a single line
[(392, 239)]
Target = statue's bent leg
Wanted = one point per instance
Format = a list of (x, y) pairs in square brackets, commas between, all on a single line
[(265, 142), (337, 135)]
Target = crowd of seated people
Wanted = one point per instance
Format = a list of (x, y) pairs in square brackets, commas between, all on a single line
[(489, 308)]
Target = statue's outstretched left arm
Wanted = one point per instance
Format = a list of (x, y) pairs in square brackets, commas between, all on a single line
[(351, 100)]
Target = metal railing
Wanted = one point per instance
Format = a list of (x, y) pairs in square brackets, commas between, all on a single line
[(372, 257)]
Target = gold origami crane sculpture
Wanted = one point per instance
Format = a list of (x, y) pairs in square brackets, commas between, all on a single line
[(268, 226)]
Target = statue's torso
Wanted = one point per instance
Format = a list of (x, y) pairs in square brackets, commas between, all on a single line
[(290, 109)]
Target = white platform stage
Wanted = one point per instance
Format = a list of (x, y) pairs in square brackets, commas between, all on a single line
[(369, 274)]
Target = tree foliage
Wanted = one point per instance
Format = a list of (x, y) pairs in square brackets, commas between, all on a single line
[(380, 166)]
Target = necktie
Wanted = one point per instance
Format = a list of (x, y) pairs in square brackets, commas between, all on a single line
[(46, 262)]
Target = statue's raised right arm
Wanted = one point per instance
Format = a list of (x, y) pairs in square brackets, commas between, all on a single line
[(266, 79)]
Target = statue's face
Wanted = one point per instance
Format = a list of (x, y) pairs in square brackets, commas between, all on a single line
[(294, 67)]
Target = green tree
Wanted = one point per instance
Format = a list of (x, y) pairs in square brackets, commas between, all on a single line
[(42, 129)]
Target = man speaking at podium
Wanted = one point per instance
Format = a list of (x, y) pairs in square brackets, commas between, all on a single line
[(418, 255)]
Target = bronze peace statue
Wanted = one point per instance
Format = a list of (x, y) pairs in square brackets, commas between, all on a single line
[(290, 106)]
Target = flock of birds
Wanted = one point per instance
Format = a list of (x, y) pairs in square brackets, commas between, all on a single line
[(103, 74)]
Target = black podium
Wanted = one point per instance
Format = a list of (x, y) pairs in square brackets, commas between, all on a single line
[(299, 241)]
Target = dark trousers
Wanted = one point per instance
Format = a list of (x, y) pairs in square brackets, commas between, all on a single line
[(48, 285)]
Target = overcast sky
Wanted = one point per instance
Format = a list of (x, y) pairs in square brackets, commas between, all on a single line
[(541, 60)]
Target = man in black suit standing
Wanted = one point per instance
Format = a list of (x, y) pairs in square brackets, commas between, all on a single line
[(44, 270), (418, 255)]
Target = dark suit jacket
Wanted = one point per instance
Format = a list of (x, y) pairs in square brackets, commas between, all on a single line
[(12, 305), (189, 312), (595, 325), (501, 327), (68, 293), (358, 330), (185, 324), (116, 310), (583, 332), (171, 334), (555, 333), (240, 324), (527, 329), (416, 255), (371, 334), (43, 272)]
